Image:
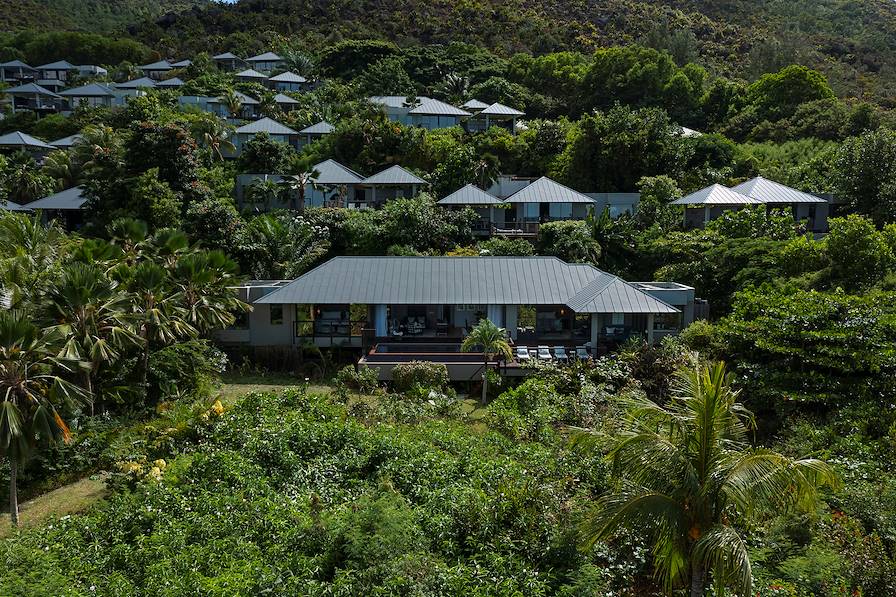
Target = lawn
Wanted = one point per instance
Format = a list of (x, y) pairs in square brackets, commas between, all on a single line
[(69, 499)]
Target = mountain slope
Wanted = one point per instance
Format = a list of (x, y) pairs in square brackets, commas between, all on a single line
[(101, 16)]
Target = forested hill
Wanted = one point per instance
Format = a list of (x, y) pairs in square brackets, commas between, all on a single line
[(102, 16), (851, 41)]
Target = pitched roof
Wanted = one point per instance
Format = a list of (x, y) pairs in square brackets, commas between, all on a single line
[(72, 198), (266, 57), (244, 99), (466, 280), (50, 83), (58, 65), (266, 125), (136, 83), (497, 109), (282, 98), (545, 190), (395, 175), (289, 77), (172, 82), (15, 64), (470, 195), (30, 89), (181, 64), (436, 108), (66, 141), (395, 101), (769, 191), (160, 65), (251, 73), (11, 206), (226, 56), (474, 104), (20, 139), (331, 172), (716, 195), (321, 128), (91, 90)]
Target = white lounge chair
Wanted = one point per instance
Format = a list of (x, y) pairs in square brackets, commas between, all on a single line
[(582, 353), (544, 353), (522, 353), (560, 354)]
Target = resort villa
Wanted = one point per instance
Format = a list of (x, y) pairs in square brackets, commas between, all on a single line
[(396, 309)]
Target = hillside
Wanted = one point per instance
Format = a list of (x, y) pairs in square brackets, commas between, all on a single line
[(852, 42), (102, 16)]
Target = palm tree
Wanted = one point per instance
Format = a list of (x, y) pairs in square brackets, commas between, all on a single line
[(687, 475), (29, 254), (58, 166), (213, 133), (486, 170), (90, 310), (613, 236), (100, 147), (263, 191), (232, 102), (30, 392), (26, 182), (299, 63), (492, 341), (204, 280), (297, 183)]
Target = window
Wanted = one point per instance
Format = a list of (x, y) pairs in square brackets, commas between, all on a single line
[(618, 319), (560, 211), (276, 314)]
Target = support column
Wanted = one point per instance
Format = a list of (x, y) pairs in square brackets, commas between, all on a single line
[(650, 318), (511, 314), (380, 324), (595, 331), (495, 313), (707, 212)]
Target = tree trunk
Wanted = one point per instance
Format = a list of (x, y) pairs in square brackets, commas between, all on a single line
[(484, 381), (144, 366), (697, 580), (88, 386), (13, 492)]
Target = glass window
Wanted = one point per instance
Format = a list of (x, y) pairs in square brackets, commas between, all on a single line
[(276, 314), (618, 319), (530, 212), (560, 211)]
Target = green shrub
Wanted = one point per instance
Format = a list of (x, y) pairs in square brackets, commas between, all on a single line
[(420, 374), (184, 370)]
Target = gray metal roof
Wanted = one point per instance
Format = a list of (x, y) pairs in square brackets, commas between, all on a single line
[(72, 198), (58, 65), (331, 172), (769, 191), (65, 142), (282, 98), (321, 128), (545, 190), (266, 57), (50, 83), (172, 82), (395, 101), (226, 56), (251, 73), (466, 280), (396, 175), (474, 104), (266, 125), (470, 195), (289, 77), (182, 64), (716, 195), (30, 89), (15, 64), (20, 139), (11, 206), (497, 109), (433, 107), (160, 65), (136, 83), (91, 90)]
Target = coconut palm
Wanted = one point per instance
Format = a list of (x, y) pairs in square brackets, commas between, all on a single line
[(99, 148), (492, 341), (89, 309), (213, 133), (29, 255), (299, 63), (25, 181), (233, 103), (30, 392), (204, 280), (263, 191), (687, 475), (58, 166), (296, 184)]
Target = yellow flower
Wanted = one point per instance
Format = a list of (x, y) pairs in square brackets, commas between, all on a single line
[(217, 407), (160, 463)]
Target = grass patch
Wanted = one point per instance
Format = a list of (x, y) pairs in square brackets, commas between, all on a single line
[(235, 386), (69, 499)]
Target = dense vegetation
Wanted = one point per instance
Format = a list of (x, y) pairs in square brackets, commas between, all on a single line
[(105, 16)]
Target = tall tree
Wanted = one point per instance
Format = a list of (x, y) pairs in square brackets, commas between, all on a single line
[(492, 341), (686, 475)]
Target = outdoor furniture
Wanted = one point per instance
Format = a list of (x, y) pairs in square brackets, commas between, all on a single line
[(582, 353), (560, 354), (544, 353), (522, 353)]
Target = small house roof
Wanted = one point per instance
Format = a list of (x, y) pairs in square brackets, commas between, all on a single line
[(282, 98), (769, 191), (474, 104), (30, 89), (331, 172), (395, 175), (251, 73), (266, 57), (15, 64), (91, 90), (181, 64), (72, 198), (716, 195), (470, 195), (497, 109), (58, 65), (136, 83), (321, 128), (66, 142), (435, 107), (160, 65), (289, 77), (226, 56), (11, 206), (20, 139), (545, 190), (172, 82), (266, 125)]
